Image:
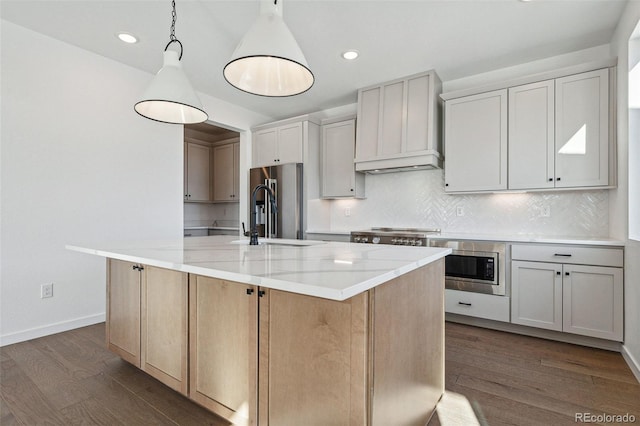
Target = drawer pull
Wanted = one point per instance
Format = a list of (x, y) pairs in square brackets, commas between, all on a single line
[(463, 303), (562, 255)]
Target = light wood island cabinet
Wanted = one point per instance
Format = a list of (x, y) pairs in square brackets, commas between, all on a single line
[(223, 347), (147, 320), (260, 356)]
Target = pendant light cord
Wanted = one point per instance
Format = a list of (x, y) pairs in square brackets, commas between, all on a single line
[(172, 34)]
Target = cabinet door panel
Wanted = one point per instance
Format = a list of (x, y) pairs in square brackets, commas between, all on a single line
[(198, 172), (123, 310), (223, 172), (531, 136), (536, 294), (476, 142), (582, 129), (165, 326), (236, 171), (418, 113), (290, 144), (265, 147), (312, 360), (593, 301), (392, 118), (368, 124), (338, 179), (224, 347)]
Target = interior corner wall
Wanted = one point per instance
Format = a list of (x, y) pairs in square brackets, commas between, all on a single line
[(618, 200)]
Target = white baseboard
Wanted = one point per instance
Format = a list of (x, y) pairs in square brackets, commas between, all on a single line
[(633, 363), (46, 330)]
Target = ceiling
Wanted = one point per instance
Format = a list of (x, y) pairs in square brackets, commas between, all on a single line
[(395, 38)]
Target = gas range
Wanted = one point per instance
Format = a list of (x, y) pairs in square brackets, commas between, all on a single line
[(395, 236)]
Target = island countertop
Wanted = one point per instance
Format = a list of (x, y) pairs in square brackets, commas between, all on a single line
[(331, 270)]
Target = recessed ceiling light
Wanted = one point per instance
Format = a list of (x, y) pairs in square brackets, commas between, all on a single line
[(350, 55), (127, 38)]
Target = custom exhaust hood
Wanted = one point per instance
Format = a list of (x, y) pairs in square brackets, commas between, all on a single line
[(398, 125)]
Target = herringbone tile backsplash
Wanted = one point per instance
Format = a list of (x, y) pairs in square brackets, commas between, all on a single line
[(417, 199)]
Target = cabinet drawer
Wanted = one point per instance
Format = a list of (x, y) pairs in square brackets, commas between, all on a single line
[(477, 305), (568, 254)]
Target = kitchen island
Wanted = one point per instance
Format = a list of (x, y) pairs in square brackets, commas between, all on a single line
[(288, 332)]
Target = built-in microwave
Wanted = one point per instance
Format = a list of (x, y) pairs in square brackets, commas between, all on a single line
[(476, 266)]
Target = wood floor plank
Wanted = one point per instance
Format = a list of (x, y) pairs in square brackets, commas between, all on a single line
[(24, 400), (172, 404), (6, 416), (91, 411), (609, 371), (56, 383)]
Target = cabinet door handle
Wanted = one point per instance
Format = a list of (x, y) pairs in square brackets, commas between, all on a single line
[(558, 273), (464, 303), (557, 178), (261, 293), (566, 273), (550, 179), (249, 291), (562, 255)]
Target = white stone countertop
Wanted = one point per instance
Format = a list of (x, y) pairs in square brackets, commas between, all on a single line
[(509, 238), (221, 228), (331, 270), (528, 238)]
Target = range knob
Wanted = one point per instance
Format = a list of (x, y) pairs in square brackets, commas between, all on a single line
[(365, 239), (418, 242), (375, 240)]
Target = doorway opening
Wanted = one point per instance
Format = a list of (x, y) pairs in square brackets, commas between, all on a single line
[(211, 180), (634, 135)]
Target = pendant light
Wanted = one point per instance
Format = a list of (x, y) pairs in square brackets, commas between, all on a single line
[(170, 97), (268, 61)]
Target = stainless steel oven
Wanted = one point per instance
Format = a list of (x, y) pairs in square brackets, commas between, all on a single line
[(476, 266)]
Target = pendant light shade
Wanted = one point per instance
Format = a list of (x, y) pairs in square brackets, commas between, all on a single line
[(170, 97), (268, 60)]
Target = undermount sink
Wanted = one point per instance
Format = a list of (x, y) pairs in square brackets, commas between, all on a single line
[(290, 243)]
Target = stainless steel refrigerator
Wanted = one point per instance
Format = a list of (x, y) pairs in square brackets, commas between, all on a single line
[(286, 183)]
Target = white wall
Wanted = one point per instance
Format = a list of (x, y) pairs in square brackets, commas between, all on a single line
[(619, 198), (79, 165)]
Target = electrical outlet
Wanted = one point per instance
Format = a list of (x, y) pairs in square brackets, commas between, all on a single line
[(459, 211), (347, 211), (46, 290), (546, 211)]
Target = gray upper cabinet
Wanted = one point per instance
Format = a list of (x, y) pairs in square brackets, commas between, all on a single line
[(397, 124), (476, 142), (278, 145), (544, 135), (339, 177)]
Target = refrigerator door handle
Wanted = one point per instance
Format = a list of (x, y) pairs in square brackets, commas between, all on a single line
[(271, 227)]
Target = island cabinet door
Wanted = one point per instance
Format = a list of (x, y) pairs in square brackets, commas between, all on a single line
[(224, 347), (123, 310), (313, 360), (165, 326)]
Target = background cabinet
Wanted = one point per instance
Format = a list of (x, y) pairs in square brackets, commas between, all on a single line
[(278, 145), (339, 178), (398, 124), (476, 142), (224, 347), (197, 168), (226, 172), (583, 297)]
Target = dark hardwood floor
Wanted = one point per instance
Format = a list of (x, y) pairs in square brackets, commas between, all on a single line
[(492, 378)]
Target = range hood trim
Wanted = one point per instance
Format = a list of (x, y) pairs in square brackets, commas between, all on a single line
[(428, 160)]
